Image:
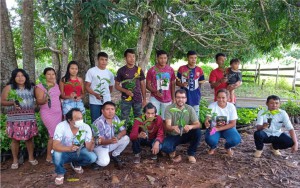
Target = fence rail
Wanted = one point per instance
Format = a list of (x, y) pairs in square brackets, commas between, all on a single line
[(257, 74)]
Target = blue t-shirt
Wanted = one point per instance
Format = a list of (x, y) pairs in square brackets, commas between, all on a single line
[(192, 76)]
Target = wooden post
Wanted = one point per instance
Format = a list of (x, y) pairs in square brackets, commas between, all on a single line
[(277, 77), (255, 72), (257, 75), (295, 77)]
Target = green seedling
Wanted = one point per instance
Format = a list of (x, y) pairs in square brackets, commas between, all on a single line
[(146, 122), (99, 88), (270, 114), (13, 96), (179, 116), (43, 81)]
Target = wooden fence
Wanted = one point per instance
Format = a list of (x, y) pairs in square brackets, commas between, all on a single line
[(259, 72)]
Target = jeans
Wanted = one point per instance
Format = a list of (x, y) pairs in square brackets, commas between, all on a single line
[(95, 111), (102, 152), (60, 158), (126, 108), (281, 142), (231, 136), (193, 137), (160, 106), (136, 144)]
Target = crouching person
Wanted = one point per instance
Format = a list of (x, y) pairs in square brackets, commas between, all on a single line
[(269, 124), (147, 130), (72, 143), (113, 138), (180, 115)]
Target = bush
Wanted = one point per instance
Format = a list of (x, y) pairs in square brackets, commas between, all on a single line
[(246, 116), (203, 110), (292, 108), (206, 70)]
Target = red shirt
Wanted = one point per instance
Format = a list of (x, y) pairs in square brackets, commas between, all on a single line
[(215, 76), (72, 86), (155, 130)]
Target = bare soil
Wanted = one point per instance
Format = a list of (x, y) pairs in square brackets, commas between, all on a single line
[(219, 170)]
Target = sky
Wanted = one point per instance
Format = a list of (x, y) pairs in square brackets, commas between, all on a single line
[(10, 4)]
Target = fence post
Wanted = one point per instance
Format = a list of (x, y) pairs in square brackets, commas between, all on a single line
[(257, 75), (277, 77), (255, 72), (295, 77)]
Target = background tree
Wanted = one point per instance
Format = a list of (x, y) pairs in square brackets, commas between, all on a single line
[(7, 55)]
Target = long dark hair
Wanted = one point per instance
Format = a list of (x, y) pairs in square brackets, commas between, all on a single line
[(13, 82), (67, 76)]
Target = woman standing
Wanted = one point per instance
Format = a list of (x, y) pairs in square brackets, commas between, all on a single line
[(72, 89), (223, 125), (47, 96), (21, 122)]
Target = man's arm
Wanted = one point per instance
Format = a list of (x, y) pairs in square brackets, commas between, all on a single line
[(121, 89), (57, 146), (121, 134), (169, 128), (294, 138)]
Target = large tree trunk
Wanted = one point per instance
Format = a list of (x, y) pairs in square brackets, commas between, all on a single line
[(94, 45), (81, 42), (65, 55), (28, 38), (7, 53), (146, 39), (51, 36)]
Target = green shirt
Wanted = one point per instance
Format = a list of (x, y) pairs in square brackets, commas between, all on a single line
[(190, 118)]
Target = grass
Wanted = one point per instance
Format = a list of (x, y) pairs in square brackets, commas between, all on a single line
[(283, 90)]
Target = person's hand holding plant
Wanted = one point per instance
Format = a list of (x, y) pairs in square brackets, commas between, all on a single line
[(142, 134)]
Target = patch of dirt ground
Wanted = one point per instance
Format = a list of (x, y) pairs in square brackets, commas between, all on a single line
[(242, 170)]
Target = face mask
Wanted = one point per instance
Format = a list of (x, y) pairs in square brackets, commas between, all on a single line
[(78, 123)]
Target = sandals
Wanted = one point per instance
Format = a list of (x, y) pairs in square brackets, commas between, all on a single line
[(15, 166), (77, 169), (59, 180), (34, 162)]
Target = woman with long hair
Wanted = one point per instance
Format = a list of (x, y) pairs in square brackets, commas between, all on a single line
[(18, 98), (72, 89), (47, 96)]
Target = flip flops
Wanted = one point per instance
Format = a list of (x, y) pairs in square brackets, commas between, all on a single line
[(34, 162), (15, 166)]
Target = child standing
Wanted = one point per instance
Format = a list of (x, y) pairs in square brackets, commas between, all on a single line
[(234, 77)]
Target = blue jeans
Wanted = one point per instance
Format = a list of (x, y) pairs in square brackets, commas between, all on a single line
[(231, 136), (193, 137), (136, 144), (60, 158), (278, 142), (95, 111)]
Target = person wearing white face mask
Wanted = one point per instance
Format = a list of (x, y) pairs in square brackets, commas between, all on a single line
[(72, 143)]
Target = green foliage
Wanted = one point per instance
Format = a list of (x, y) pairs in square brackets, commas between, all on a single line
[(291, 107), (130, 121), (117, 126), (78, 138), (12, 95), (203, 110), (145, 122), (179, 116), (206, 70), (246, 115), (99, 88), (4, 140)]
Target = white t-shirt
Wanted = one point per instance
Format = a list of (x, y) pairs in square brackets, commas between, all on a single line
[(278, 121), (64, 134), (228, 113), (92, 77)]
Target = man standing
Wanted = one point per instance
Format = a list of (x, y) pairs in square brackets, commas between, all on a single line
[(133, 86), (191, 128), (72, 143), (190, 78), (147, 130), (218, 79), (269, 124), (113, 138), (99, 83), (160, 82)]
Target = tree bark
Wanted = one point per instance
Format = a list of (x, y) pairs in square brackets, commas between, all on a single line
[(51, 36), (7, 54), (81, 42), (28, 39), (146, 39), (65, 55), (94, 45)]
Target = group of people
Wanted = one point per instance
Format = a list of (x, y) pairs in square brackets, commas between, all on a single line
[(169, 119)]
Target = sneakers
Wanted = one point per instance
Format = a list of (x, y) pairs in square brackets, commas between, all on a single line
[(137, 158), (95, 166), (77, 169), (257, 153), (192, 159), (276, 152), (117, 162), (154, 157)]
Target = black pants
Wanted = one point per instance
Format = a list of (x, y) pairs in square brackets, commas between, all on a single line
[(281, 142)]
